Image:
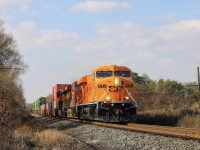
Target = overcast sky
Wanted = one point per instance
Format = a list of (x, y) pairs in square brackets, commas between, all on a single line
[(66, 39)]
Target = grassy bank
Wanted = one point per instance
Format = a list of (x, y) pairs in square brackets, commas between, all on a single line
[(176, 119), (36, 134), (169, 110)]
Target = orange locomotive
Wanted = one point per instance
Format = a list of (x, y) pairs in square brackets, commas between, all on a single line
[(106, 95)]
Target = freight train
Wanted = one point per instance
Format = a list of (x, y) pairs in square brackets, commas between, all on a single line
[(105, 95)]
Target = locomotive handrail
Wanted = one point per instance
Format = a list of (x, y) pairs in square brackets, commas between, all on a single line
[(103, 95), (131, 97), (79, 101)]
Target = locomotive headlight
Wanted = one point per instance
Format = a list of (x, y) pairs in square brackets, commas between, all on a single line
[(116, 81), (108, 97), (127, 97)]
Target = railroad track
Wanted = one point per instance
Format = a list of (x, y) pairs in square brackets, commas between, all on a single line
[(184, 133)]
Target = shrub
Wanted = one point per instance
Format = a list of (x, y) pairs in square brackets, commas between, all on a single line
[(189, 121)]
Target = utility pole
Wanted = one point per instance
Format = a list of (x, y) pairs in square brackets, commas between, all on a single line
[(198, 78)]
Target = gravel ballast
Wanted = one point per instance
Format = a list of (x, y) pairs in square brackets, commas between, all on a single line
[(102, 138)]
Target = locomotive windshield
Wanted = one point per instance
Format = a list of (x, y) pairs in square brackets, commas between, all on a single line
[(122, 73), (103, 74)]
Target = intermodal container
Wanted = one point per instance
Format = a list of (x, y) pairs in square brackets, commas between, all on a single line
[(39, 102), (50, 105), (42, 100), (47, 106), (55, 104), (42, 109)]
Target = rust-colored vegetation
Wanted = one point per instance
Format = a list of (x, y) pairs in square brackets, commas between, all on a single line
[(167, 102)]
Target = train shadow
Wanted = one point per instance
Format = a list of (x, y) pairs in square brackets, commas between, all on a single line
[(157, 119)]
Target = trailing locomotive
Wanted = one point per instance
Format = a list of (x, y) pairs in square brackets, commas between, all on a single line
[(105, 95)]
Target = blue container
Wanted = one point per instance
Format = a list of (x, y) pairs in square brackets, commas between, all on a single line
[(50, 105)]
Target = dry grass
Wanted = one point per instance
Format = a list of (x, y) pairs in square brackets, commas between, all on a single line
[(170, 110), (195, 106), (190, 122), (21, 139), (35, 135), (29, 136), (50, 137), (189, 117), (58, 140), (24, 132)]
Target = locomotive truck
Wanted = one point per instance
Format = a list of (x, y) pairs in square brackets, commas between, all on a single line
[(105, 95)]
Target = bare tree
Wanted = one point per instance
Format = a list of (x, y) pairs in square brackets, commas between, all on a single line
[(12, 102)]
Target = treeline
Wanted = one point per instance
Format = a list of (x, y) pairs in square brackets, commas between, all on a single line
[(167, 102), (12, 101), (145, 84)]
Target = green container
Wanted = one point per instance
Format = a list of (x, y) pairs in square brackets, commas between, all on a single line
[(42, 100), (36, 105)]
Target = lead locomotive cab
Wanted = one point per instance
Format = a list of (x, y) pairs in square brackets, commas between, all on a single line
[(107, 94)]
